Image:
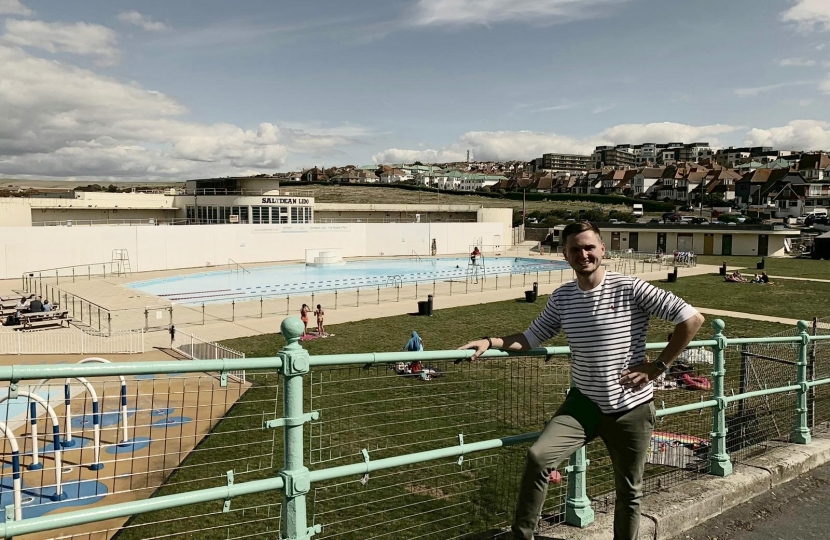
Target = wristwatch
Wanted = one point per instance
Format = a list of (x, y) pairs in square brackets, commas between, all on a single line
[(662, 366)]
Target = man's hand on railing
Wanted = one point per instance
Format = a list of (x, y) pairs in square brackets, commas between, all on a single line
[(479, 346)]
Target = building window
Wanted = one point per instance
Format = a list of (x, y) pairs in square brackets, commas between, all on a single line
[(256, 215), (300, 214)]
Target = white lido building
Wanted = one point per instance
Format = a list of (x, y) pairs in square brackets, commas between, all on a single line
[(243, 220)]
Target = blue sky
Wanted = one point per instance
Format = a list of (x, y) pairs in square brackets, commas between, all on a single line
[(154, 90)]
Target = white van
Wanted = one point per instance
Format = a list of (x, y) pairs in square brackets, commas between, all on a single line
[(815, 213), (637, 211)]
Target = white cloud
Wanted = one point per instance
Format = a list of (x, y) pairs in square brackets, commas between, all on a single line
[(471, 12), (798, 134), (143, 21), (79, 38), (825, 85), (754, 91), (59, 120), (14, 7), (526, 145), (797, 62), (809, 15)]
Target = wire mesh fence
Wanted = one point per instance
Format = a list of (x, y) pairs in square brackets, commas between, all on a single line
[(106, 440), (173, 434), (389, 410)]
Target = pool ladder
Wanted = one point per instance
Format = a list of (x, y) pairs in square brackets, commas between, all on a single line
[(237, 267), (397, 281)]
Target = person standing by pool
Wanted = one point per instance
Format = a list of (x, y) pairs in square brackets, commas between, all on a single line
[(304, 316), (321, 331), (475, 255), (605, 318)]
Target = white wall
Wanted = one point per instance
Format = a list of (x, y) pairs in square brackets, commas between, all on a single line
[(168, 247)]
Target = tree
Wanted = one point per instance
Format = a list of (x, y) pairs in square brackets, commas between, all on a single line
[(713, 199)]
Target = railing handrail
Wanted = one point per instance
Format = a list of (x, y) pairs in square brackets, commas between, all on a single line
[(18, 372)]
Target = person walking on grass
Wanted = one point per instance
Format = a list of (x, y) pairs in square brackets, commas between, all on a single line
[(605, 317)]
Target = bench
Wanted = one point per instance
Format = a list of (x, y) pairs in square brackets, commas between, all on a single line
[(35, 320)]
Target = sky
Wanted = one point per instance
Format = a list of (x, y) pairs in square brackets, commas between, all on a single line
[(158, 90)]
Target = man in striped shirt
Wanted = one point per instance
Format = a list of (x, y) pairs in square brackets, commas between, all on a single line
[(605, 318)]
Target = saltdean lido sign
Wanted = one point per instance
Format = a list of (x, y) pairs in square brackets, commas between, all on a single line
[(285, 200)]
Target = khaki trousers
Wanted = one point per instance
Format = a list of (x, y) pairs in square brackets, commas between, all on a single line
[(578, 421)]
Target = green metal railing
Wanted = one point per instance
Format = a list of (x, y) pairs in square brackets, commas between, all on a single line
[(295, 481)]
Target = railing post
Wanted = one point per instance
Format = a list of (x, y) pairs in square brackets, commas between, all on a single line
[(578, 511), (719, 463), (109, 322), (801, 430), (295, 364), (260, 309)]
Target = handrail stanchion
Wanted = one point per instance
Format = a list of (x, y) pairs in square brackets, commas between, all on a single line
[(578, 511), (719, 462), (294, 474), (801, 430)]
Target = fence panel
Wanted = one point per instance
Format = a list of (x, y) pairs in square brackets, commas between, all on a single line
[(71, 341)]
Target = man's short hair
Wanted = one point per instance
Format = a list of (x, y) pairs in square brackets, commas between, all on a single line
[(576, 228)]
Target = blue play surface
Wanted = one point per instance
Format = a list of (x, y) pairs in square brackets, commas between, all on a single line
[(80, 493), (172, 421), (163, 412), (108, 419), (134, 444)]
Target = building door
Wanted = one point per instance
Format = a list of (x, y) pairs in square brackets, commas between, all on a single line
[(708, 244), (726, 249), (661, 242), (685, 242), (634, 241), (615, 241), (763, 245)]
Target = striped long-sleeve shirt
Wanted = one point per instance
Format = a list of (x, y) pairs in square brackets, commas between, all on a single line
[(606, 329)]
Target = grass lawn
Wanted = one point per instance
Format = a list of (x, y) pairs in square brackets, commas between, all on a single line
[(450, 328), (783, 298), (806, 268), (391, 415), (375, 195)]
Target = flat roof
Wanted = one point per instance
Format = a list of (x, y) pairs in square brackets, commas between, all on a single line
[(674, 227)]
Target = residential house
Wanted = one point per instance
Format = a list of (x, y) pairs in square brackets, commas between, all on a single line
[(754, 187), (393, 176), (815, 167), (476, 181), (644, 181)]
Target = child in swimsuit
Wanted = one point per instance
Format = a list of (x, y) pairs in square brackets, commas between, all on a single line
[(304, 316), (319, 313)]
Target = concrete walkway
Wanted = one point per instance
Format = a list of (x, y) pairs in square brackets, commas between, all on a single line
[(796, 510), (801, 279), (669, 514), (218, 330), (740, 315)]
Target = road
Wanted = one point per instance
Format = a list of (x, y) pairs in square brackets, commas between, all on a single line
[(797, 510)]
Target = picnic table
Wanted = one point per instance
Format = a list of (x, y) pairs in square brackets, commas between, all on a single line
[(35, 320)]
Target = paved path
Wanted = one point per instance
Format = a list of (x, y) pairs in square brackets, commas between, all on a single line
[(796, 510), (801, 279), (740, 315)]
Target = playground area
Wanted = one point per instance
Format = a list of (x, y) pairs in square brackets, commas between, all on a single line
[(77, 443)]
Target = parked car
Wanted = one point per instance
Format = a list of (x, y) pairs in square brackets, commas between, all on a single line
[(700, 221), (686, 208), (654, 220)]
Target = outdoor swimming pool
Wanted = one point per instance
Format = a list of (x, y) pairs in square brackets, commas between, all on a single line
[(238, 285)]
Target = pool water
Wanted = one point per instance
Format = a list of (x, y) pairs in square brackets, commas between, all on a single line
[(291, 279)]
